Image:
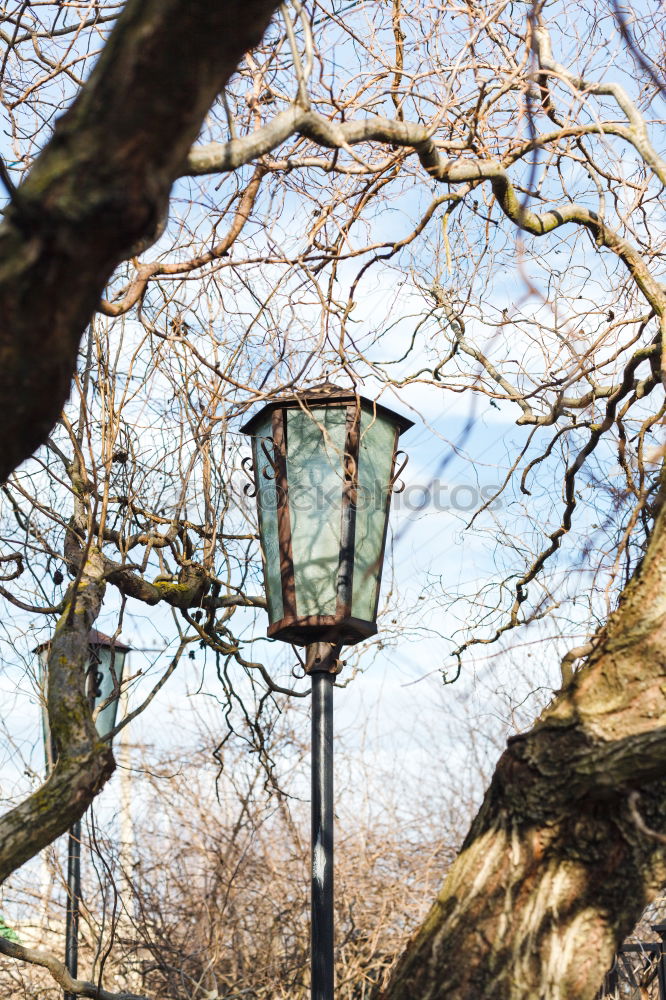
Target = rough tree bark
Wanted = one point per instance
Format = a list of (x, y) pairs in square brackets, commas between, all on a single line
[(100, 185), (569, 845), (83, 762)]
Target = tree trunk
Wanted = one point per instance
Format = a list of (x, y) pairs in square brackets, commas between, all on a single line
[(569, 845), (83, 762), (100, 185)]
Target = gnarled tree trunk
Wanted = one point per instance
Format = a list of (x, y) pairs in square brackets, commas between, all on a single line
[(569, 845)]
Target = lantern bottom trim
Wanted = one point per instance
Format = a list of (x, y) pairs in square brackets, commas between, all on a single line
[(322, 628)]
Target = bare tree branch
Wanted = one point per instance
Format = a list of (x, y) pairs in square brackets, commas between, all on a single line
[(92, 194), (80, 988)]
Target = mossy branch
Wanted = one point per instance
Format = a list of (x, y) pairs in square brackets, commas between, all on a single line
[(83, 763)]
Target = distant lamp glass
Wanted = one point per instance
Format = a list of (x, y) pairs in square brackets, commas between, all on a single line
[(104, 676)]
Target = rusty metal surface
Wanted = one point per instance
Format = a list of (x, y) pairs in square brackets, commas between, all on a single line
[(345, 580), (284, 521), (325, 392), (321, 628), (323, 657)]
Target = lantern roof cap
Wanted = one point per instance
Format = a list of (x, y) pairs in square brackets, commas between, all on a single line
[(325, 393), (95, 638)]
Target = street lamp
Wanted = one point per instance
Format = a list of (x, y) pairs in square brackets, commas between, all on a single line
[(324, 466), (103, 679)]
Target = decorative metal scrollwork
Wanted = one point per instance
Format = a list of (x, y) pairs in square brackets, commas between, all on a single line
[(97, 678), (249, 489), (398, 472), (95, 675), (271, 458)]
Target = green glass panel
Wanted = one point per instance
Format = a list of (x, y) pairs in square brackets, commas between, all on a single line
[(315, 451), (268, 522), (105, 679), (49, 750), (375, 465)]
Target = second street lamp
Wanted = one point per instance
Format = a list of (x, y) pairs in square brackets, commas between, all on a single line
[(324, 465), (103, 678)]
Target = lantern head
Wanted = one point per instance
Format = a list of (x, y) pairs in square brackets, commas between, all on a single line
[(324, 469), (103, 678)]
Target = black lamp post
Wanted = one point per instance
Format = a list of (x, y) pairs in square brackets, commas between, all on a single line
[(324, 469), (103, 679)]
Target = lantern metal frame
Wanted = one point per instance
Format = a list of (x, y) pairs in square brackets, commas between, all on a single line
[(342, 627)]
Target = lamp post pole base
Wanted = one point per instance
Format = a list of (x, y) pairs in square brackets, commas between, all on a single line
[(322, 664), (73, 898)]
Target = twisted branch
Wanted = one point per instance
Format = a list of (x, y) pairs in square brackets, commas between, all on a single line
[(60, 973)]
